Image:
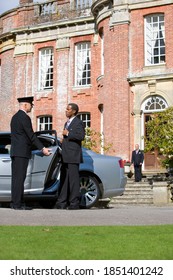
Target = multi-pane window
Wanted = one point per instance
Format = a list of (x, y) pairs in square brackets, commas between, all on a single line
[(155, 103), (85, 117), (82, 64), (44, 123), (154, 39), (82, 4), (46, 69)]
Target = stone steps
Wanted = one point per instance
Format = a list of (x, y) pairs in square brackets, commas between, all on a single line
[(135, 193)]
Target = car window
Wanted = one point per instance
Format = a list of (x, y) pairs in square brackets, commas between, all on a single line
[(5, 144), (47, 142)]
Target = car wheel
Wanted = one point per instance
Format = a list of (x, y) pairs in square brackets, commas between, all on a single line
[(89, 190)]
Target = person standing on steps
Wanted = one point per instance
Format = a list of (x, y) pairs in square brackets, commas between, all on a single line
[(73, 135), (137, 161), (22, 139)]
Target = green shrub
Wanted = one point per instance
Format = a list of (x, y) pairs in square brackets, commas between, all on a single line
[(94, 141)]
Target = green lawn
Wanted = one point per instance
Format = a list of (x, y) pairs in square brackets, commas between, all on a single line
[(86, 242)]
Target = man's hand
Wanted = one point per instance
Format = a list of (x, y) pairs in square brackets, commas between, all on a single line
[(65, 132), (46, 151)]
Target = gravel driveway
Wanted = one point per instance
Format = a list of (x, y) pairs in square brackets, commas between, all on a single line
[(115, 215)]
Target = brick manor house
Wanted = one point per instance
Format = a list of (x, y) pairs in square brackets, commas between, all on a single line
[(114, 58)]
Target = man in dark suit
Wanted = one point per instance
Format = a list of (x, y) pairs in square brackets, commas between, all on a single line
[(73, 134), (137, 161), (22, 139)]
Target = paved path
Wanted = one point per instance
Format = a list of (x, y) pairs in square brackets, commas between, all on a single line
[(115, 215)]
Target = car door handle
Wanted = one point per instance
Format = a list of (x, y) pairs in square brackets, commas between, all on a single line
[(6, 159)]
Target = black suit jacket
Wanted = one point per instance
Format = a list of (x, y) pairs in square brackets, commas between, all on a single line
[(71, 145), (137, 158), (22, 136)]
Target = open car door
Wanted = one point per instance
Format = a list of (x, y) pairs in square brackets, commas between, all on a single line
[(43, 171), (5, 166)]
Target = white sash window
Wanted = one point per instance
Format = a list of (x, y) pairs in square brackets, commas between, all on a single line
[(86, 118), (154, 39), (46, 69), (82, 64), (44, 123)]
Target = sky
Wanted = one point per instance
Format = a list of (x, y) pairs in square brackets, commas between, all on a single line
[(6, 5)]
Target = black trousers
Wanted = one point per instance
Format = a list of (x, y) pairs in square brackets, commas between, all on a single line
[(138, 173), (69, 192), (19, 168)]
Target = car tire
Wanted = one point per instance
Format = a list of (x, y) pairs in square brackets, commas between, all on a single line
[(89, 190)]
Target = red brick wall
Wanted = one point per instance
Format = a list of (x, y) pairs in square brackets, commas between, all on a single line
[(7, 98), (114, 92)]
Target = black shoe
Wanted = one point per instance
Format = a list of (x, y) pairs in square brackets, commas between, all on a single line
[(27, 208), (21, 208), (60, 207)]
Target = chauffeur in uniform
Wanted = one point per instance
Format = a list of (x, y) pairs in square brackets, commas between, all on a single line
[(22, 139), (73, 134)]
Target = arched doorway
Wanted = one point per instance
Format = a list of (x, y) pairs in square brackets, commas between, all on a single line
[(151, 105)]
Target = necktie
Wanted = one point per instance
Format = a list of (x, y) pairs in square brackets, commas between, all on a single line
[(68, 123)]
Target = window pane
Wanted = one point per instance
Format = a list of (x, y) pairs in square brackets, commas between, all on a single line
[(154, 40), (83, 66), (46, 69), (155, 103), (85, 117), (44, 123)]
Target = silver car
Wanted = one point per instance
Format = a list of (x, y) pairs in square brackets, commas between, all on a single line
[(101, 176)]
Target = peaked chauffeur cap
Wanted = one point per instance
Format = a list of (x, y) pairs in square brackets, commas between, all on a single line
[(27, 99)]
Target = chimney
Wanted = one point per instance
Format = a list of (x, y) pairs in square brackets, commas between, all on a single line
[(24, 2)]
